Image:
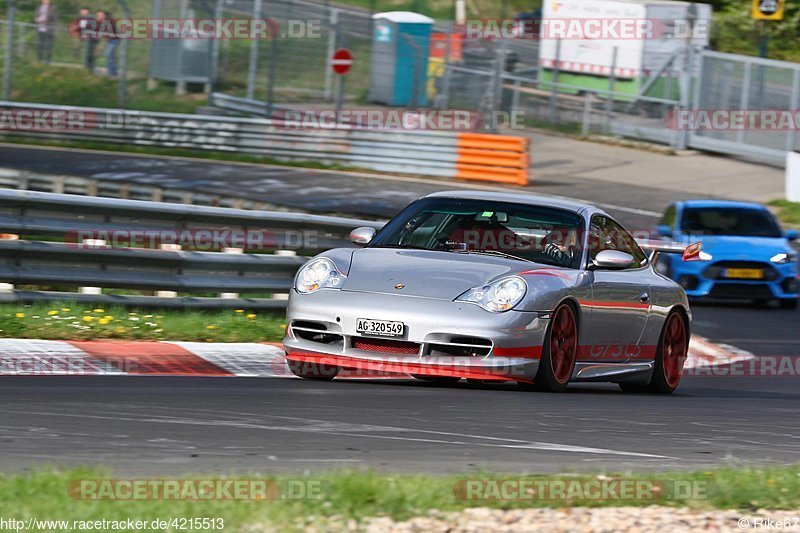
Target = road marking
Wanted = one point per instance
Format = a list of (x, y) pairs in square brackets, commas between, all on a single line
[(354, 430)]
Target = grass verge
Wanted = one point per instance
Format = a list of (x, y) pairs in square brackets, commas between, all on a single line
[(69, 321), (353, 495), (788, 212)]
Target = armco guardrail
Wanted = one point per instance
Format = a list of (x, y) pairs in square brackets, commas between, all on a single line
[(85, 251), (430, 153)]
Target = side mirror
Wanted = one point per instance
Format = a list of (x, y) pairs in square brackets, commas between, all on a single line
[(612, 260), (792, 234), (663, 230), (362, 236)]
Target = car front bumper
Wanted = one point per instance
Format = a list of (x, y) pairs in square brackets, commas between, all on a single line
[(692, 277), (507, 345)]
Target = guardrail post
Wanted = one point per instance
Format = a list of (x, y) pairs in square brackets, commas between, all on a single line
[(170, 248), (8, 287), (98, 243), (231, 295), (286, 253)]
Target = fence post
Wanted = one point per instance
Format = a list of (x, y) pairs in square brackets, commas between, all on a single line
[(791, 137), (497, 88), (612, 82), (252, 67), (587, 113), (553, 86), (333, 26), (9, 51), (745, 99), (445, 101), (123, 60)]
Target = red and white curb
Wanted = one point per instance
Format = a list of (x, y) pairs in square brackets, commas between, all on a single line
[(21, 357)]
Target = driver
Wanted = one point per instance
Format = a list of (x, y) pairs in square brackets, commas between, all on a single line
[(560, 245)]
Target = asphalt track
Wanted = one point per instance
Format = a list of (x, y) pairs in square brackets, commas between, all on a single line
[(156, 425)]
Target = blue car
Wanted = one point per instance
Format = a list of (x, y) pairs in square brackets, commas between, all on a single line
[(745, 254)]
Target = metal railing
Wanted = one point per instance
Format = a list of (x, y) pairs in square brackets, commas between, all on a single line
[(54, 241)]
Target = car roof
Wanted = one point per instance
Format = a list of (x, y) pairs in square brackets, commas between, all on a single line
[(722, 203), (515, 197)]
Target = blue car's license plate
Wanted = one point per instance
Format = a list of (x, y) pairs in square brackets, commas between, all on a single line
[(385, 328)]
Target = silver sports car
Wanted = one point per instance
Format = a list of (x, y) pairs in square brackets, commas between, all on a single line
[(492, 286)]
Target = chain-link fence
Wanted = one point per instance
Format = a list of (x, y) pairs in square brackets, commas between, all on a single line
[(510, 82)]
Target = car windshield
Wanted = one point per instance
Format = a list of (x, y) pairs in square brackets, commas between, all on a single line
[(530, 233), (729, 221)]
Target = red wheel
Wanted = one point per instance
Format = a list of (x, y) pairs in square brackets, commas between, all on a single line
[(674, 347), (560, 351)]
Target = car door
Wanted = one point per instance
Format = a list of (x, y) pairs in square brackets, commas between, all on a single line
[(620, 299)]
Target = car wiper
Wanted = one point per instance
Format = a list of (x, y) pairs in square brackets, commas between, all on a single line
[(495, 253)]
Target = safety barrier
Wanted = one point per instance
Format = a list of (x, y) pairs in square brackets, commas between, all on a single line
[(446, 154), (62, 240)]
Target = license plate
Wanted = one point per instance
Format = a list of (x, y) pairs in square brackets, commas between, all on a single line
[(384, 328), (744, 273)]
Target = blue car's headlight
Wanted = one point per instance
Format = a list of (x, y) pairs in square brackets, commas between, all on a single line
[(317, 274), (783, 258), (498, 296)]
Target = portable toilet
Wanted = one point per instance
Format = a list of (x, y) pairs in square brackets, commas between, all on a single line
[(400, 48)]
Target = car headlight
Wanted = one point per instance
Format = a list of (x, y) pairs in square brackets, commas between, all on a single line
[(498, 296), (705, 256), (317, 274), (784, 257)]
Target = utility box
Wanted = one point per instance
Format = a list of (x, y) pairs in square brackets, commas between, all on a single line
[(400, 48), (181, 60)]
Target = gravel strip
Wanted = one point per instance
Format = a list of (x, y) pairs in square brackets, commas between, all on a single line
[(654, 519)]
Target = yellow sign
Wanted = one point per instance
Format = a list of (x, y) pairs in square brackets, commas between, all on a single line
[(768, 9)]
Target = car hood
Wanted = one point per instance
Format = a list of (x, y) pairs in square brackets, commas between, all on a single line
[(747, 248), (430, 274)]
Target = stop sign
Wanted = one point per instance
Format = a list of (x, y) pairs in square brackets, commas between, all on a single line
[(341, 61)]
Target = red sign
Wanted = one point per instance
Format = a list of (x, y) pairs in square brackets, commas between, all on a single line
[(341, 61)]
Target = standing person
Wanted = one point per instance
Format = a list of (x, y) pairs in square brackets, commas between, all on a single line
[(87, 32), (107, 28), (46, 17)]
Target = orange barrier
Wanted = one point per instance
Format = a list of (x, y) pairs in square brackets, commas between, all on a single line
[(489, 157)]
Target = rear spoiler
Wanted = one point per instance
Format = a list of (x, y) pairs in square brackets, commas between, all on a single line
[(655, 247)]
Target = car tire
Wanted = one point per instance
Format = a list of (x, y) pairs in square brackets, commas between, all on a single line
[(790, 303), (436, 379), (559, 353), (673, 348), (306, 370)]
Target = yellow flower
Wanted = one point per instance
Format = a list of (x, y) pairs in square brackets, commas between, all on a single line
[(239, 311), (20, 315), (120, 330), (66, 309), (211, 326), (52, 312), (104, 321), (99, 310), (251, 316), (88, 318), (108, 317)]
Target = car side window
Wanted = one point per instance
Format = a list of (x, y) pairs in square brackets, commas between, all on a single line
[(605, 234), (669, 217)]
